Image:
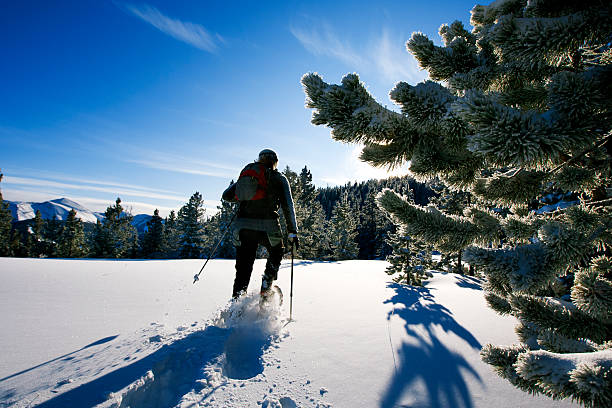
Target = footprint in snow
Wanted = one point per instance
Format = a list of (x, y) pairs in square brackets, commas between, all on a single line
[(284, 402)]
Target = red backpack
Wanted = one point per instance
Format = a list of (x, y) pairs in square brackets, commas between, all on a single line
[(252, 183)]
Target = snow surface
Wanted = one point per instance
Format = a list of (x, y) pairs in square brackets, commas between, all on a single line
[(83, 333)]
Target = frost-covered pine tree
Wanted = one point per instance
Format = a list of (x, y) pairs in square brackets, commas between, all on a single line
[(191, 227), (516, 105), (409, 259)]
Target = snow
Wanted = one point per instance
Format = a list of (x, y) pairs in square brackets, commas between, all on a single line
[(105, 333), (57, 209)]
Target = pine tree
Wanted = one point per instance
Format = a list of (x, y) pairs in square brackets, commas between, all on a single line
[(17, 248), (52, 229), (191, 228), (6, 220), (153, 240), (409, 259), (217, 232), (312, 226), (115, 237), (522, 102), (171, 236), (374, 230), (71, 242), (343, 231), (35, 241), (455, 203)]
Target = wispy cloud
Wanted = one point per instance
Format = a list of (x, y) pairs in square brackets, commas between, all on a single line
[(383, 54), (394, 62), (67, 187), (320, 39), (183, 164), (190, 33)]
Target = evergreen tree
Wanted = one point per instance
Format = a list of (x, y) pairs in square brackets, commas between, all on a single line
[(6, 220), (98, 241), (17, 248), (343, 231), (522, 102), (171, 236), (455, 203), (409, 259), (191, 228), (312, 226), (374, 230), (216, 228), (52, 230), (153, 240), (115, 237), (71, 242), (35, 241)]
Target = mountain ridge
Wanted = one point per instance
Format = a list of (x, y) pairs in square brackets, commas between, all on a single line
[(58, 209)]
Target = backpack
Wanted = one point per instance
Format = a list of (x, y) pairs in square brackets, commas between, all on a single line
[(252, 183)]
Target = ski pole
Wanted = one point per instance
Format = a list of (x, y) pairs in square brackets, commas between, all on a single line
[(291, 292), (196, 277)]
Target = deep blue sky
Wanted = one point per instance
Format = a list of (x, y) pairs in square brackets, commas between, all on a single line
[(153, 101)]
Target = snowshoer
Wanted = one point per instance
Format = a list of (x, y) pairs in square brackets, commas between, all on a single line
[(260, 191)]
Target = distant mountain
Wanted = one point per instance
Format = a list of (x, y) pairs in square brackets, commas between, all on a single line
[(59, 208)]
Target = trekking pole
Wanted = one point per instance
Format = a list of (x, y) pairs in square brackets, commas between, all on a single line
[(196, 277), (291, 292)]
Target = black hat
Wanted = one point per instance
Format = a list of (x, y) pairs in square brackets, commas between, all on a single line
[(268, 155), (268, 158)]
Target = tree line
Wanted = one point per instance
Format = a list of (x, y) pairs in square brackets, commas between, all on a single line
[(335, 223)]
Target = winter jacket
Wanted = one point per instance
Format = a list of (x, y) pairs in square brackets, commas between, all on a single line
[(263, 215)]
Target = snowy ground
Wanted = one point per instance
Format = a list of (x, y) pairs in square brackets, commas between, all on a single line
[(82, 333)]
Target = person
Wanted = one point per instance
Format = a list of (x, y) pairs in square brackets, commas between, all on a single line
[(257, 223)]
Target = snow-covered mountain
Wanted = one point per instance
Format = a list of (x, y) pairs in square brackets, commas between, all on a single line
[(57, 209)]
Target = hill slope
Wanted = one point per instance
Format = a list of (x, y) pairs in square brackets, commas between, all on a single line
[(140, 334), (57, 209)]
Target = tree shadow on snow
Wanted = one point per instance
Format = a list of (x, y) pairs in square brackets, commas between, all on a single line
[(469, 282), (425, 358), (95, 343)]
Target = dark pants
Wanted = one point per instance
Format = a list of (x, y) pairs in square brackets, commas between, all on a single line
[(245, 257)]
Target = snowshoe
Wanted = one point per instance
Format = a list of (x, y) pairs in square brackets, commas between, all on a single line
[(270, 297)]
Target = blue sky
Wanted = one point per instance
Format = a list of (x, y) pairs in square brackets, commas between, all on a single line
[(153, 101)]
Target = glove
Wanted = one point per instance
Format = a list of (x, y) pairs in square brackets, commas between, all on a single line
[(293, 238)]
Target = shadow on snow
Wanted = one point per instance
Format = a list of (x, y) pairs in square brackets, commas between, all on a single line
[(231, 348), (95, 343), (425, 358)]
